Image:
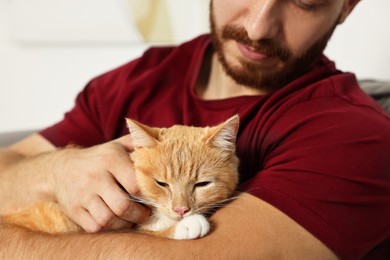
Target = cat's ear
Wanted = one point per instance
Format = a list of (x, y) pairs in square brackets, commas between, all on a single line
[(224, 135), (142, 135)]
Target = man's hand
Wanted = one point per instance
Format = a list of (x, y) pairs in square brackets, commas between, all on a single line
[(86, 183)]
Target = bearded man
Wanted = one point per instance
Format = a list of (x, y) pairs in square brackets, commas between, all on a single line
[(313, 147)]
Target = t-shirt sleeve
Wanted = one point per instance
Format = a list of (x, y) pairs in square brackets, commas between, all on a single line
[(329, 171), (80, 126)]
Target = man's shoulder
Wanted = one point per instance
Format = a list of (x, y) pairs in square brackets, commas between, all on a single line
[(335, 102), (326, 88)]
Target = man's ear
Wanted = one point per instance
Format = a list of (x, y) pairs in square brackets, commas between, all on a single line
[(349, 5)]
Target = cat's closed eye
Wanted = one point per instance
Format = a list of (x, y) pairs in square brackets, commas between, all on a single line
[(202, 184), (162, 184)]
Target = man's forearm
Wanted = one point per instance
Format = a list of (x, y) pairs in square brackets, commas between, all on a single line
[(17, 243), (247, 228)]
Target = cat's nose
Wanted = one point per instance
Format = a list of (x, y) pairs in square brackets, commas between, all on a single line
[(181, 210)]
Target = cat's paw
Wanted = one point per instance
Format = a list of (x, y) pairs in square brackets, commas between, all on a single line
[(191, 227)]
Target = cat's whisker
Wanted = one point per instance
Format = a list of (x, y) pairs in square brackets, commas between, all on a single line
[(212, 210), (227, 200), (252, 189), (142, 200), (220, 204)]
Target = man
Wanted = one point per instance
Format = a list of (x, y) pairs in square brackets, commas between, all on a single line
[(313, 147)]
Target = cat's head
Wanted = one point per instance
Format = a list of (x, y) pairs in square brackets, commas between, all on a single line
[(184, 170)]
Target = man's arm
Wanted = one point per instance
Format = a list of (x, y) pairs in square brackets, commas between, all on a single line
[(247, 228), (83, 180)]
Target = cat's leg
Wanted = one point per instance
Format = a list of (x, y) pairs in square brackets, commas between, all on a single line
[(43, 217), (191, 227), (158, 225)]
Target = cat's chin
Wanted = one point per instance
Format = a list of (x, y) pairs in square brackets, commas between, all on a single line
[(174, 218), (158, 221), (171, 216), (179, 217)]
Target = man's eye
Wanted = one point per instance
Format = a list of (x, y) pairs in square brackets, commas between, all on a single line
[(162, 184), (202, 184), (308, 5)]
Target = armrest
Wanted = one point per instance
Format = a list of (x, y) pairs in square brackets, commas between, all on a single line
[(8, 138), (379, 90)]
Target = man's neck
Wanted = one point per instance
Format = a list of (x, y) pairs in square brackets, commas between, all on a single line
[(213, 82)]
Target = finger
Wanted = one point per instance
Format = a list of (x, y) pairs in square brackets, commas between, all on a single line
[(99, 211), (121, 205), (123, 171), (117, 223), (85, 220), (134, 212)]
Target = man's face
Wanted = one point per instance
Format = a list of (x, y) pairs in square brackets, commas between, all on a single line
[(265, 44)]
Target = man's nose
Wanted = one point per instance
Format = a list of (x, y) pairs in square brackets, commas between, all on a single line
[(264, 20)]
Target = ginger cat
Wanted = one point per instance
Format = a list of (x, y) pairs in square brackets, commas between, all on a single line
[(182, 173)]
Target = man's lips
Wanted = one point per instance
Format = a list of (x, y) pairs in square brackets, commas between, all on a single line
[(250, 53)]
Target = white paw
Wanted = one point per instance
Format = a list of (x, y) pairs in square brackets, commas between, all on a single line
[(191, 227)]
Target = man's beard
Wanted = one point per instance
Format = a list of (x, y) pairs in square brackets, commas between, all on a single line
[(251, 74)]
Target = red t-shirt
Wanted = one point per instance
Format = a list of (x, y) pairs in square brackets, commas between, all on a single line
[(317, 149)]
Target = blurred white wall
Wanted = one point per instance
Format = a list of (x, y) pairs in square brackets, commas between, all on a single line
[(44, 64), (361, 44), (49, 50)]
